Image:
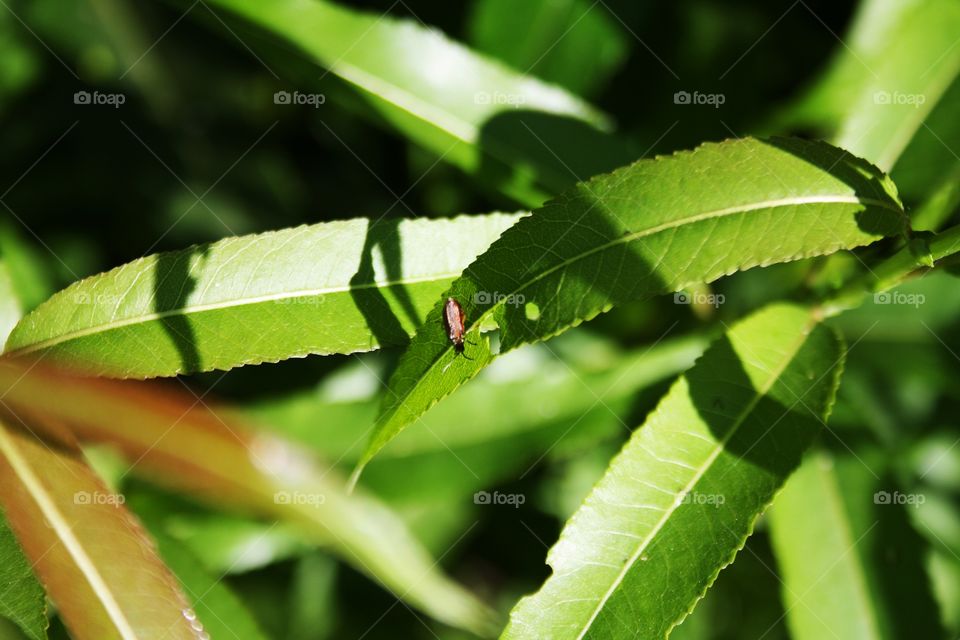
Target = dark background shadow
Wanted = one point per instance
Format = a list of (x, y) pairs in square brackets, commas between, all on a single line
[(557, 151)]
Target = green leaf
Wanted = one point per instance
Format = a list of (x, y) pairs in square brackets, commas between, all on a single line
[(575, 43), (21, 597), (852, 567), (313, 607), (224, 543), (222, 613), (438, 93), (831, 97), (647, 229), (326, 417), (904, 83), (892, 69), (468, 444), (680, 499), (929, 162), (940, 204), (335, 287)]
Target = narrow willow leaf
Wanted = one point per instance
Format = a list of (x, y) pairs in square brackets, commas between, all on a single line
[(896, 63), (314, 610), (215, 456), (224, 543), (680, 499), (442, 95), (829, 100), (222, 613), (928, 161), (91, 554), (335, 287), (939, 206), (541, 388), (21, 596), (912, 72), (229, 544), (650, 228), (470, 443), (574, 43), (851, 565)]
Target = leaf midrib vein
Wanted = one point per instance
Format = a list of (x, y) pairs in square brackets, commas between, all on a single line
[(831, 486), (704, 467), (64, 533), (767, 204), (215, 306)]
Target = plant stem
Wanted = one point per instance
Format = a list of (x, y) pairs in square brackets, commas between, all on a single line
[(919, 255)]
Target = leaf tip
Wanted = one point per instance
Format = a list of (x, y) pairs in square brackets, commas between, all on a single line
[(355, 477)]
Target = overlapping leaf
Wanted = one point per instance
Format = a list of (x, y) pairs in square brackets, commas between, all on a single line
[(680, 499), (470, 110), (470, 443), (214, 456), (851, 565), (91, 554), (910, 73), (575, 43), (897, 62), (222, 612), (650, 228), (21, 596), (335, 287)]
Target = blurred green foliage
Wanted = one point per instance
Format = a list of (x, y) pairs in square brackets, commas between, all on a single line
[(199, 151)]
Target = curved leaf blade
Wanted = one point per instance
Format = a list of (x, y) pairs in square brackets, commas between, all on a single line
[(469, 443), (647, 229), (851, 565), (215, 456), (680, 499), (92, 556), (897, 64), (223, 613), (907, 77), (439, 93), (336, 287), (573, 43)]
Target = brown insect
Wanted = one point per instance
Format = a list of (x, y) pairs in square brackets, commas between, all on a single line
[(454, 319)]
